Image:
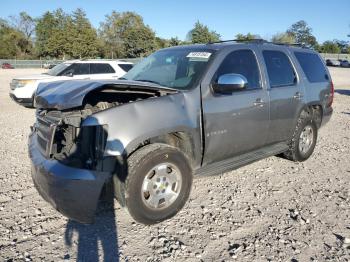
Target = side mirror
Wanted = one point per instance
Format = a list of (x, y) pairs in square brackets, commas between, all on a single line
[(69, 73), (229, 83)]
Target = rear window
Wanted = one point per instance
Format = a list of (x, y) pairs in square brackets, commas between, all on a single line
[(312, 66), (101, 69), (126, 67), (279, 69)]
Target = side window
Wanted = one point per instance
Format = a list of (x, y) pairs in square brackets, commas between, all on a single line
[(312, 66), (77, 69), (126, 67), (241, 62), (279, 69), (101, 69)]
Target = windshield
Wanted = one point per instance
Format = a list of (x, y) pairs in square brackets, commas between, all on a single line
[(56, 70), (178, 69)]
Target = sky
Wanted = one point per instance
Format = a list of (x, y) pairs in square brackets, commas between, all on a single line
[(328, 19)]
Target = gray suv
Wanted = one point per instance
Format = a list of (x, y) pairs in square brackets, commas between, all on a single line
[(182, 112)]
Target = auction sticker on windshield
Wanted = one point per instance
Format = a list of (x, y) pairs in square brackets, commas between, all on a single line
[(199, 55)]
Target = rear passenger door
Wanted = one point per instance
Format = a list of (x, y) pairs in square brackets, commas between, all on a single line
[(286, 93), (101, 71)]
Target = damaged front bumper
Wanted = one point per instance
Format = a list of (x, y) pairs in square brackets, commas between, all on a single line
[(22, 101), (72, 191)]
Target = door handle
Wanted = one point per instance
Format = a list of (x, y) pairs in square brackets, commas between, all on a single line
[(259, 102), (298, 95)]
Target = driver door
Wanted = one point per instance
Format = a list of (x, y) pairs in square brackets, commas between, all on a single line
[(77, 71), (237, 122)]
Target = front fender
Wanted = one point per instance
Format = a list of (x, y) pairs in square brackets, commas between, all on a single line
[(131, 124)]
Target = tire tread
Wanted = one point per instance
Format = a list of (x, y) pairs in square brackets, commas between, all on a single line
[(293, 152)]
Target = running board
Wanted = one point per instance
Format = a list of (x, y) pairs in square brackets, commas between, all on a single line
[(241, 160)]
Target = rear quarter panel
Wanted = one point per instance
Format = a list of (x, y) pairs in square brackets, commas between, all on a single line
[(315, 93)]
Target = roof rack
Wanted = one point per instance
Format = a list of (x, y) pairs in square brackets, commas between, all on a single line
[(257, 41), (289, 44)]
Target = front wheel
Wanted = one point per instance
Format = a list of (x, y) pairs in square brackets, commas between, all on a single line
[(303, 141), (158, 183), (33, 103)]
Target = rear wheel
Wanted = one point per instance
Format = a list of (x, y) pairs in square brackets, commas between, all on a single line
[(304, 140), (158, 183)]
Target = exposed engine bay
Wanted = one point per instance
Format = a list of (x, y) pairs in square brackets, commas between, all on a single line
[(62, 138)]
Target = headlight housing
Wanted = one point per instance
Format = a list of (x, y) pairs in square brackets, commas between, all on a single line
[(22, 83)]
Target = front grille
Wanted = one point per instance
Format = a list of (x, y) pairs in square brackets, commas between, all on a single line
[(45, 129), (42, 144)]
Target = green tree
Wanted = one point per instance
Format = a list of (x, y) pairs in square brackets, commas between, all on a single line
[(51, 34), (82, 37), (343, 45), (174, 41), (283, 38), (247, 37), (161, 42), (138, 42), (24, 23), (13, 43), (329, 47), (125, 35), (69, 36), (302, 34), (7, 41), (44, 29), (201, 34)]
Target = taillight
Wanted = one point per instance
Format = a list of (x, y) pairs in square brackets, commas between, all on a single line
[(331, 95)]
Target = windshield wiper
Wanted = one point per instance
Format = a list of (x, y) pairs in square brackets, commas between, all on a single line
[(148, 81)]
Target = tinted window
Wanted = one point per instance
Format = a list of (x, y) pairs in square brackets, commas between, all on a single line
[(241, 62), (101, 69), (312, 67), (58, 69), (126, 67), (77, 69), (279, 69)]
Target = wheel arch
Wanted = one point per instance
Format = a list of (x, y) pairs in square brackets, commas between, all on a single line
[(183, 140), (314, 110)]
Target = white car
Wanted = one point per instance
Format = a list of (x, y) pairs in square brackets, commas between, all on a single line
[(23, 88)]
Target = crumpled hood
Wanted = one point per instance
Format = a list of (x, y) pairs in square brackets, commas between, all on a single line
[(62, 95)]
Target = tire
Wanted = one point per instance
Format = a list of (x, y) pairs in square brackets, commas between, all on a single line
[(158, 183), (34, 102), (295, 152)]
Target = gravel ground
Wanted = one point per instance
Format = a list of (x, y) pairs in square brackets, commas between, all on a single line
[(272, 210)]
